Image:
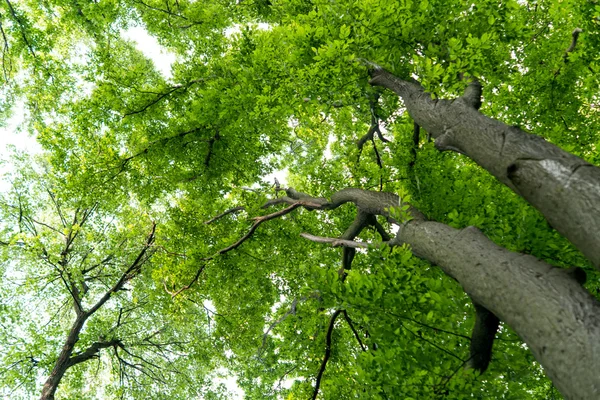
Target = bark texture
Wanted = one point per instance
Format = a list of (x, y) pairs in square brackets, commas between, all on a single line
[(563, 187), (547, 306)]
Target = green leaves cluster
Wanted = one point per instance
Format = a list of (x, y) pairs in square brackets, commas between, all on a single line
[(257, 87)]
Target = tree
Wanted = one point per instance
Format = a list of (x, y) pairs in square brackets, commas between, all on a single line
[(296, 85)]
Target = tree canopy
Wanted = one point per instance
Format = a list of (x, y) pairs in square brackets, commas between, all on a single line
[(322, 199)]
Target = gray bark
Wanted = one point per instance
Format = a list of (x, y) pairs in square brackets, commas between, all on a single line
[(546, 306), (563, 187)]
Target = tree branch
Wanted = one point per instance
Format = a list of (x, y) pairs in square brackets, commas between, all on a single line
[(257, 222), (291, 311), (327, 353), (482, 338), (349, 321), (92, 351), (21, 28), (571, 47), (211, 143), (161, 96), (129, 274), (223, 214), (335, 242)]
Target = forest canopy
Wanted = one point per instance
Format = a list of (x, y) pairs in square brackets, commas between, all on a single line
[(374, 199)]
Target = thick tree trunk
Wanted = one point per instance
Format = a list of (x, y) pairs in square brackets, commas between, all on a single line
[(546, 306), (563, 187), (557, 318)]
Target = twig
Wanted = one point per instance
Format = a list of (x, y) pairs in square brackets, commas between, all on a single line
[(161, 96), (223, 214), (286, 374), (257, 222), (189, 285), (4, 50), (130, 273), (433, 344), (291, 311)]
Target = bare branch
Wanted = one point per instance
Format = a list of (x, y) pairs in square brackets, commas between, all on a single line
[(223, 214), (21, 28), (349, 321), (257, 222), (92, 351), (335, 242), (130, 273), (327, 352)]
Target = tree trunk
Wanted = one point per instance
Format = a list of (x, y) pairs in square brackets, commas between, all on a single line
[(63, 361), (563, 187), (546, 306)]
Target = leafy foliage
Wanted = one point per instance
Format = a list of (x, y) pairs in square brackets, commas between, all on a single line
[(257, 87)]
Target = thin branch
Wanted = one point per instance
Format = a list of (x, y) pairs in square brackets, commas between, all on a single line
[(92, 351), (335, 242), (161, 96), (21, 28), (284, 375), (126, 160), (131, 272), (447, 378), (433, 344), (257, 222), (362, 346), (31, 220), (58, 210), (4, 51), (327, 352), (291, 311), (223, 214), (415, 144), (189, 285), (379, 163), (425, 325)]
